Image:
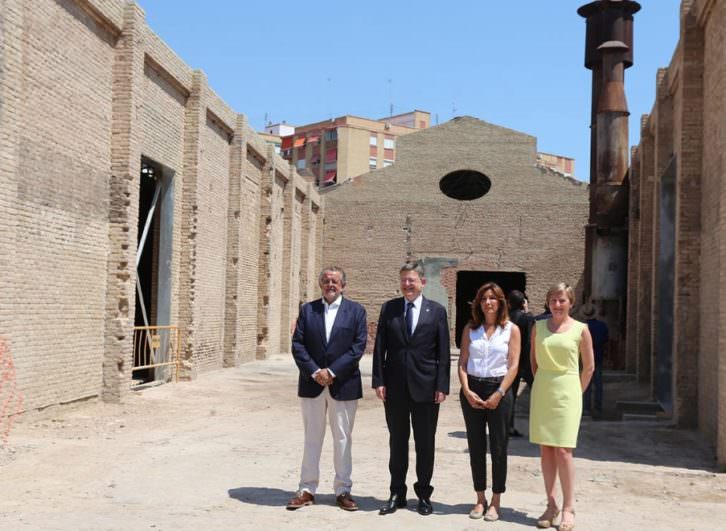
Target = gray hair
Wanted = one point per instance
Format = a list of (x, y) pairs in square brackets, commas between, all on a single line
[(332, 269), (413, 266)]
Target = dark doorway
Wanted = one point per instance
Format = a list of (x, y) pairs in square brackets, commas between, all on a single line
[(147, 255), (149, 252), (467, 284), (665, 282)]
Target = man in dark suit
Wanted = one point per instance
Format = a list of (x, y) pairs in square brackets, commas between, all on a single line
[(329, 340), (519, 315), (411, 366)]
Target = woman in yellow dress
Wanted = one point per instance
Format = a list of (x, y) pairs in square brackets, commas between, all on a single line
[(556, 401)]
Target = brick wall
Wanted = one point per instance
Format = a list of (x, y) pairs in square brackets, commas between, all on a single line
[(646, 251), (688, 123), (59, 198), (631, 333), (87, 89), (688, 144), (532, 220), (712, 403)]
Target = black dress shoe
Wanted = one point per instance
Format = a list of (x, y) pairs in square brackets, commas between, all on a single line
[(424, 506), (393, 503)]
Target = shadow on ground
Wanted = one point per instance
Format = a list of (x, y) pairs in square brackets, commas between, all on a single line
[(273, 497), (647, 441)]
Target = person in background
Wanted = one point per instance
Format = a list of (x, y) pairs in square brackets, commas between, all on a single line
[(600, 337), (518, 314)]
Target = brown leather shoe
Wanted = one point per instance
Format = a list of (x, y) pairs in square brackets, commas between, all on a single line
[(302, 499), (346, 503)]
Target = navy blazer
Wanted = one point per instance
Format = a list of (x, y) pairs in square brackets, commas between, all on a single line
[(420, 363), (340, 354)]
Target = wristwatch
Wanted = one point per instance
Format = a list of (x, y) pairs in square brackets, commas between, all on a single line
[(501, 392)]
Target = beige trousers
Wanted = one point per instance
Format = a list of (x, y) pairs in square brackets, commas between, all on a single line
[(340, 415)]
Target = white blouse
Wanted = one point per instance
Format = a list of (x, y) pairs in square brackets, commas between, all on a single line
[(488, 357)]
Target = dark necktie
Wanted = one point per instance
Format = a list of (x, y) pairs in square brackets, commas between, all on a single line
[(409, 318)]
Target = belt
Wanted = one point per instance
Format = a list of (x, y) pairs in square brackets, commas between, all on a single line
[(486, 379)]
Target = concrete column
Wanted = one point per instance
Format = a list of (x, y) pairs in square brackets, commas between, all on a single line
[(663, 153), (11, 112), (271, 258), (233, 293), (631, 334), (646, 251), (686, 314), (128, 74), (288, 260), (194, 120)]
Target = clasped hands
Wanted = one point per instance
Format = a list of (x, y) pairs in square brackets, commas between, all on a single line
[(477, 403), (323, 377)]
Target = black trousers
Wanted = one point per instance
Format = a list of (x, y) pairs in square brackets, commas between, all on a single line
[(497, 420), (401, 414)]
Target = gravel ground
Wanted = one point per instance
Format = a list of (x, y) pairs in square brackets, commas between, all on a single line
[(223, 452)]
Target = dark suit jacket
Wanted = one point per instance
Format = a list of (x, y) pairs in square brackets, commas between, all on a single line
[(341, 354), (525, 322), (421, 362)]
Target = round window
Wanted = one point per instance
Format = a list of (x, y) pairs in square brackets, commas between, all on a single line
[(465, 185)]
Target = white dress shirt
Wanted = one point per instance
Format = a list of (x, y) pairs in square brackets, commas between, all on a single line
[(331, 310)]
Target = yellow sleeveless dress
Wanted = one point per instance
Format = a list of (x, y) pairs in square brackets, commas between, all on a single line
[(556, 399)]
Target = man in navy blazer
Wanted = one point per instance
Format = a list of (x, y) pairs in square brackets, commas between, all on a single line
[(329, 340), (411, 366)]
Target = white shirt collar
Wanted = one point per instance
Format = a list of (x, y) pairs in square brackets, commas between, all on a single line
[(417, 302), (333, 305)]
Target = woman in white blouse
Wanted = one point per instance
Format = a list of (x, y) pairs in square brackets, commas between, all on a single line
[(488, 363)]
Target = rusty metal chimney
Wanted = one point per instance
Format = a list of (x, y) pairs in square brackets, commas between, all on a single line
[(608, 52)]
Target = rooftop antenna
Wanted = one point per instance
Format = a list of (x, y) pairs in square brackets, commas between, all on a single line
[(267, 122), (453, 110), (330, 95), (437, 118), (390, 97)]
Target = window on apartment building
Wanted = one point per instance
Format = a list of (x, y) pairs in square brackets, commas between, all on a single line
[(389, 143), (373, 140), (286, 153), (300, 164), (331, 135), (372, 163), (387, 163)]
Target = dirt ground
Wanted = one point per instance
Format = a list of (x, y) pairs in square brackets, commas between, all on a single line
[(223, 452)]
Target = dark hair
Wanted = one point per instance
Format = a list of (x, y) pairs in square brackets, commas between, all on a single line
[(477, 315), (516, 300)]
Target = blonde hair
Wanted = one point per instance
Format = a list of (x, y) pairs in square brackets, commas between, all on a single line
[(561, 288)]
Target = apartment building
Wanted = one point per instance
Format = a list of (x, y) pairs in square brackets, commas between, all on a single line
[(334, 150)]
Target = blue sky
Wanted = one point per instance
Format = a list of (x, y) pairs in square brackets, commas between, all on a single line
[(518, 63)]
